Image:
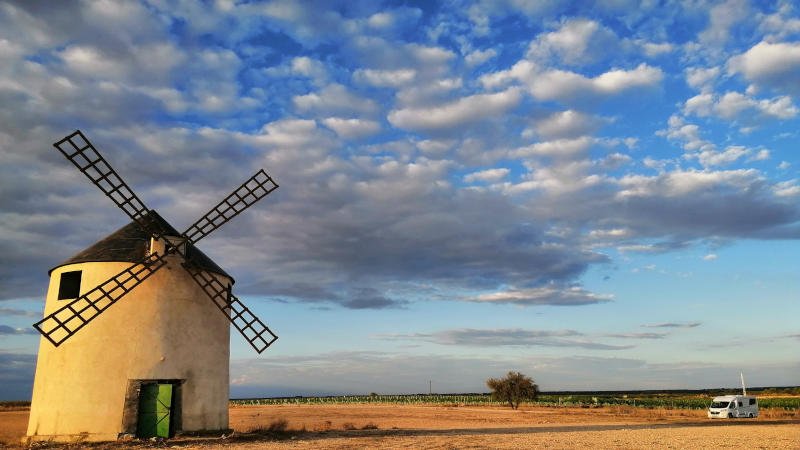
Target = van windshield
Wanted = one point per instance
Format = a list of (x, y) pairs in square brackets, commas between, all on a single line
[(719, 404)]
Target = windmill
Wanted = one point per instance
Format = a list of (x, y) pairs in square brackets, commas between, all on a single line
[(156, 364)]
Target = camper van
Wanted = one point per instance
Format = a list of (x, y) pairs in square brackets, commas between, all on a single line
[(730, 406)]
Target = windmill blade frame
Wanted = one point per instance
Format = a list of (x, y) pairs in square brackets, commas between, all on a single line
[(60, 325), (254, 189), (255, 332), (248, 325), (69, 319), (63, 323), (80, 152)]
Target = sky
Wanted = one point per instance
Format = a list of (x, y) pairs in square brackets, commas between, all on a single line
[(601, 195)]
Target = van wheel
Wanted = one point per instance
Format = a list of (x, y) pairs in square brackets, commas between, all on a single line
[(750, 416), (730, 415)]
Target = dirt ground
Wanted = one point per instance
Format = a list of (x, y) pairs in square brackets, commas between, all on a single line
[(463, 427)]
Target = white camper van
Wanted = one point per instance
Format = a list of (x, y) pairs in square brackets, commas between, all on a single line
[(730, 406)]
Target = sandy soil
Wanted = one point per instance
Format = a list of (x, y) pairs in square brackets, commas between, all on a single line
[(439, 427)]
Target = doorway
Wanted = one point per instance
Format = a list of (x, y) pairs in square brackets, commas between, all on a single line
[(155, 410), (152, 409)]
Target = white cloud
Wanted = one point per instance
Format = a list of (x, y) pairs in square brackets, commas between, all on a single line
[(787, 189), (384, 78), (702, 78), (566, 176), (94, 62), (614, 161), (652, 49), (523, 70), (710, 158), (310, 26), (379, 54), (641, 248), (780, 25), (436, 147), (392, 19), (567, 124), (772, 65), (546, 295), (614, 233), (309, 67), (292, 134), (569, 86), (478, 57), (352, 128), (218, 90), (684, 183), (488, 175), (559, 148), (710, 257), (427, 55), (428, 94), (702, 150), (578, 41), (617, 81), (381, 20), (687, 133), (510, 337), (460, 112), (673, 325), (722, 18), (734, 105), (701, 105), (335, 99), (89, 61)]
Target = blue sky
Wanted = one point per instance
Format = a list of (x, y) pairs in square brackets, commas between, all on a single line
[(602, 196)]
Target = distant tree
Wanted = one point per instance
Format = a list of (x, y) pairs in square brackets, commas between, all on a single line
[(513, 388)]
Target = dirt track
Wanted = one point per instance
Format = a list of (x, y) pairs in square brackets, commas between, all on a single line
[(438, 427)]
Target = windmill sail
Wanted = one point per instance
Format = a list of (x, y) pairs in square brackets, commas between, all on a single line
[(68, 320), (251, 327), (80, 152), (251, 191)]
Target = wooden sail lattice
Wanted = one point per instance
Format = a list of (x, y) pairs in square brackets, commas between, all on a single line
[(60, 325)]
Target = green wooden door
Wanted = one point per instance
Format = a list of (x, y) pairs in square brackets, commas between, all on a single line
[(155, 405)]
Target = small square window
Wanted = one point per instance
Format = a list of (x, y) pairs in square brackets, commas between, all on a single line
[(70, 285)]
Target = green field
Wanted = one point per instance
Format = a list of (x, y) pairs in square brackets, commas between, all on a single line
[(768, 398), (785, 398)]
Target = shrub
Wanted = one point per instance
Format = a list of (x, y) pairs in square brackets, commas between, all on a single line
[(513, 388)]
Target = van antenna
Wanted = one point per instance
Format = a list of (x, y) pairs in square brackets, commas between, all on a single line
[(744, 391)]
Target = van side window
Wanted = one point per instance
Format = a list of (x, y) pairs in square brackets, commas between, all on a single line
[(752, 401), (740, 404)]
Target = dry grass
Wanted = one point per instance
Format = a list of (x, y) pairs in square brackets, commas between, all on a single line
[(778, 413), (623, 410), (350, 424), (279, 428)]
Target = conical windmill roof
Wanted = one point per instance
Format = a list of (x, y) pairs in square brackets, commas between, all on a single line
[(129, 243)]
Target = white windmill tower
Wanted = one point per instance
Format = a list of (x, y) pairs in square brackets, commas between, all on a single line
[(157, 363)]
